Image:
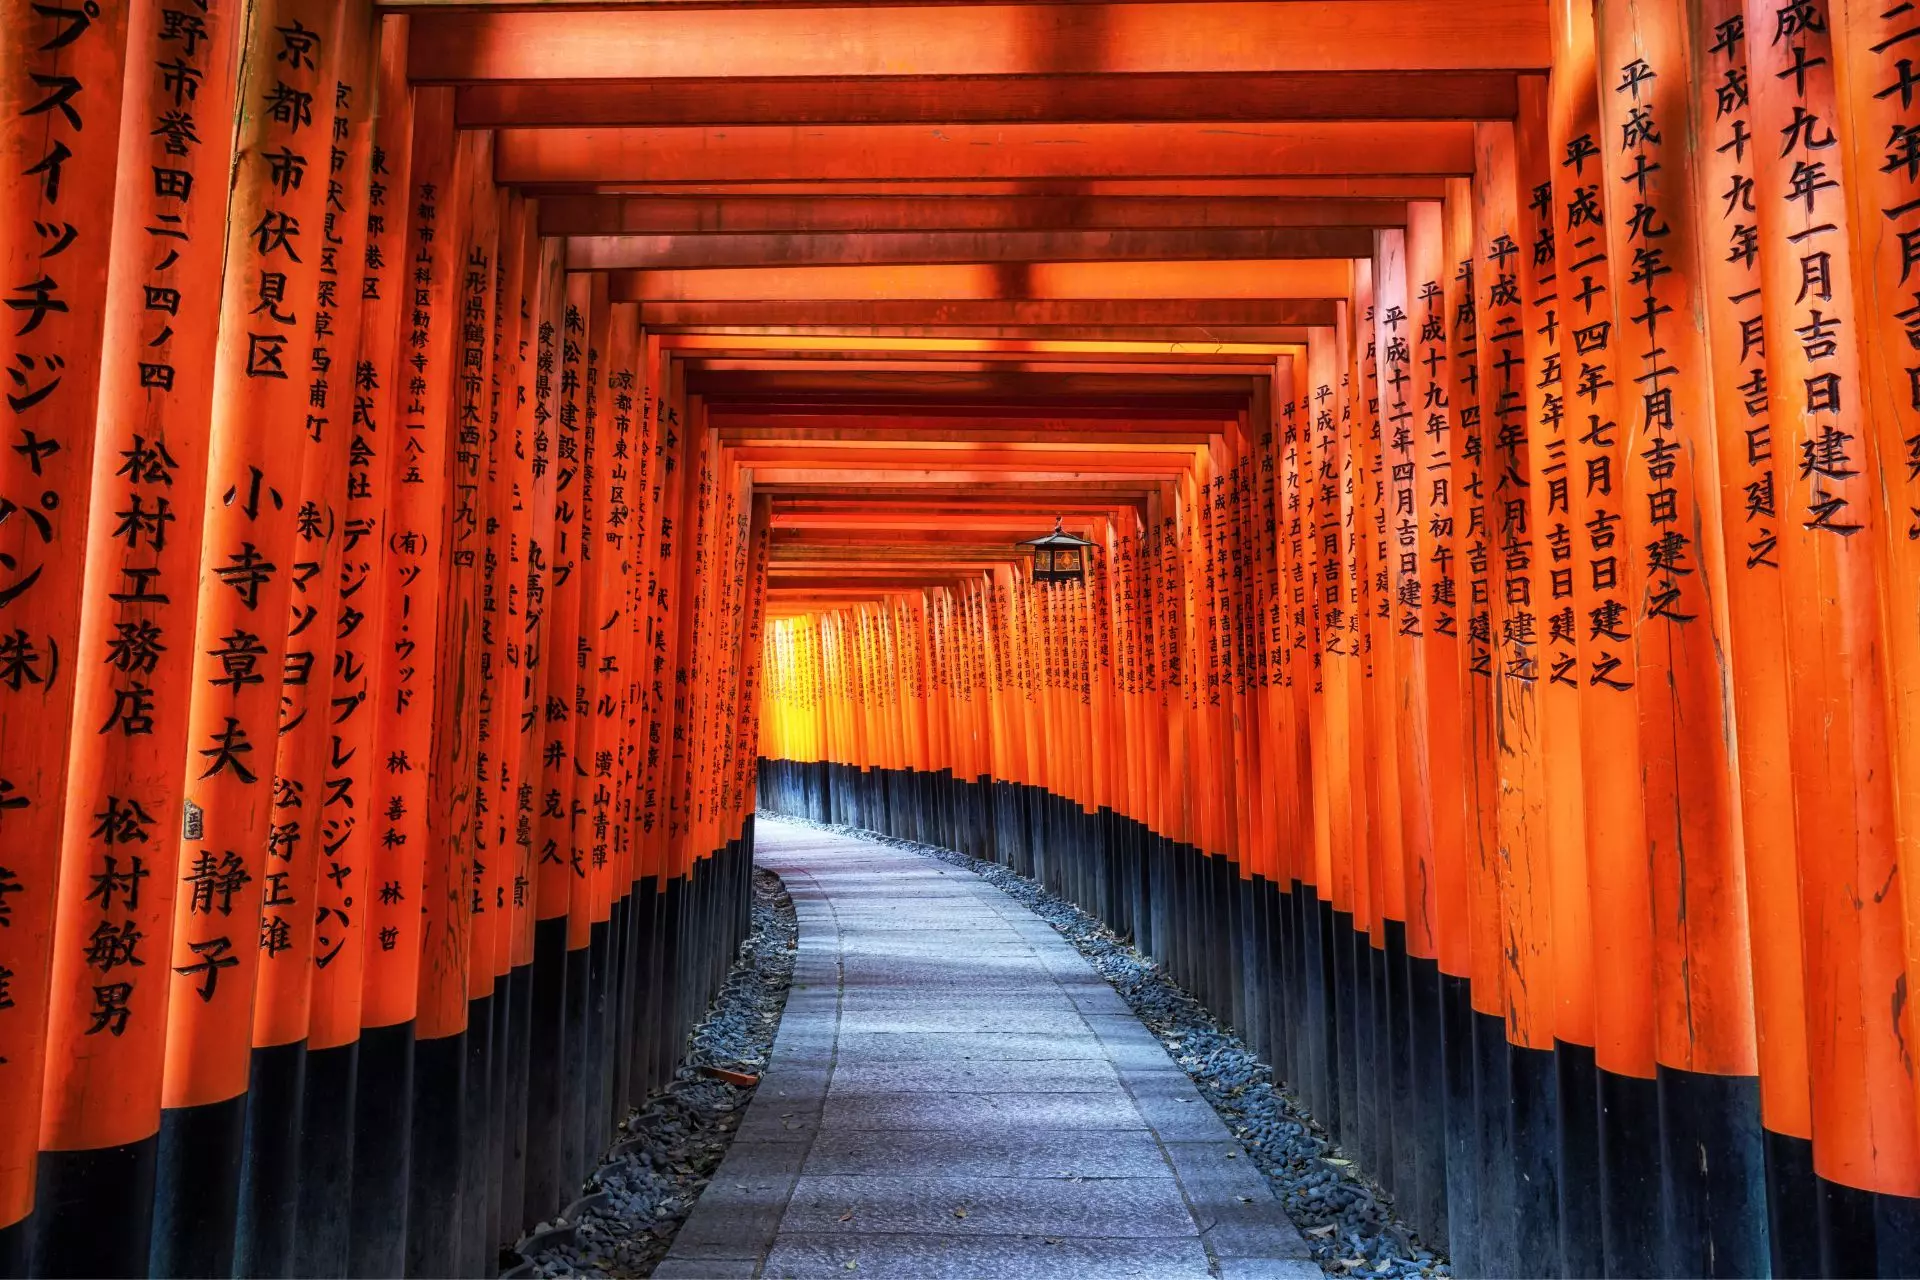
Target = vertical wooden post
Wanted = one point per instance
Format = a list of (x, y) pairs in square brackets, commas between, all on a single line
[(1866, 1145), (267, 337), (1702, 987), (104, 1021), (1878, 116), (421, 369), (341, 1046), (1748, 473), (65, 71), (548, 551), (272, 1166)]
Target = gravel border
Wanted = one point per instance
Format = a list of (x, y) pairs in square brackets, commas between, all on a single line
[(669, 1148), (1347, 1218)]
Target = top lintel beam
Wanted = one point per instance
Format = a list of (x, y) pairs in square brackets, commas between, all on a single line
[(643, 42), (1017, 99)]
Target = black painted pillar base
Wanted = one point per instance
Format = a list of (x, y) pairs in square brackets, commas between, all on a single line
[(574, 1072), (382, 1147), (1577, 1103), (322, 1235), (472, 1239), (1711, 1223), (1463, 1140), (16, 1239), (77, 1191), (1793, 1219), (270, 1161), (514, 1135), (546, 1181), (438, 1147), (197, 1189), (1629, 1174)]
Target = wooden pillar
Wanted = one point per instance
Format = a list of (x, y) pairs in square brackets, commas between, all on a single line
[(1749, 468), (546, 1181), (249, 546), (1830, 558), (408, 598), (1433, 797), (1873, 67), (273, 1168), (1702, 987), (104, 1019)]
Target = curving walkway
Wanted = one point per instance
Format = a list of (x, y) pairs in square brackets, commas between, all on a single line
[(955, 1092)]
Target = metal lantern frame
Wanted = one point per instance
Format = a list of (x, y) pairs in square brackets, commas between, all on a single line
[(1059, 557)]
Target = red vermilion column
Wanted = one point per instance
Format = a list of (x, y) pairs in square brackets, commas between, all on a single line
[(1359, 428), (272, 1168), (1319, 484), (1619, 889), (1466, 1004), (1858, 1021), (749, 704), (630, 407), (1702, 990), (609, 350), (1517, 1160), (1879, 107), (407, 602), (511, 844), (1396, 609), (1748, 472), (443, 1088), (1397, 697), (105, 1019), (1433, 795), (248, 550), (348, 822), (64, 72), (60, 100), (466, 1013), (546, 1182), (1555, 900), (562, 865), (1499, 364)]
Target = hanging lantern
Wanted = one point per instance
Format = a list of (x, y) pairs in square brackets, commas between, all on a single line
[(1059, 556)]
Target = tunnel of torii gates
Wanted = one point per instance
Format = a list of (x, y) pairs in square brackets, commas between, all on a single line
[(436, 511)]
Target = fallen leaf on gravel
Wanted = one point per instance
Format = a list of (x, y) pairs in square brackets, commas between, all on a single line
[(847, 1216), (852, 1265), (960, 1211), (1320, 1233), (1246, 1199)]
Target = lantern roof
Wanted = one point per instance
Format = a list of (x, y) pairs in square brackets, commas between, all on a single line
[(1059, 538)]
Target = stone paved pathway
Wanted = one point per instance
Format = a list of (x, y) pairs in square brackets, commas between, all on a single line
[(955, 1092)]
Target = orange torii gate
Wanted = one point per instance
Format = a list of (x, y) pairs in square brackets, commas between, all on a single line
[(438, 512)]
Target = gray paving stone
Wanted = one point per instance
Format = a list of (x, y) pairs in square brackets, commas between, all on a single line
[(1038, 1019), (1023, 1153), (978, 1046), (984, 1113), (692, 1267), (1125, 1207), (1174, 1109), (958, 1004), (1231, 1202), (953, 1257), (1065, 1076), (955, 1092)]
